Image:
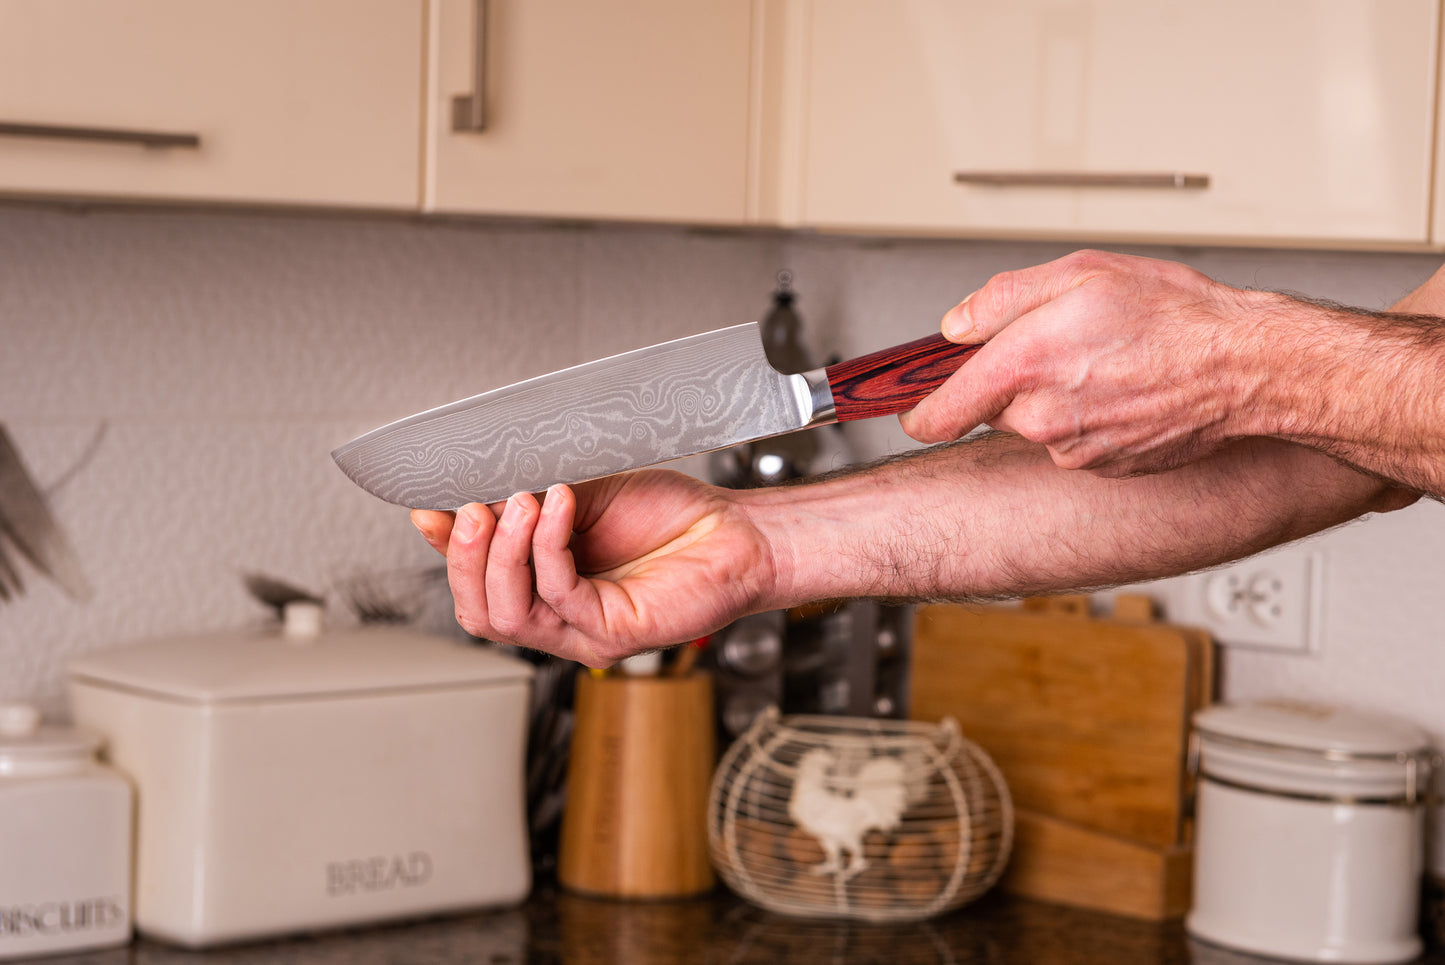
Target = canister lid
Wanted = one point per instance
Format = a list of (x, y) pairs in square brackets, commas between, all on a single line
[(1313, 751), (274, 665), (1312, 727), (28, 746)]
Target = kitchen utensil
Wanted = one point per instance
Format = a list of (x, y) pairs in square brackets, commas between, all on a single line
[(642, 755), (26, 521), (297, 779), (1088, 720), (1310, 832), (853, 817), (679, 398), (65, 840)]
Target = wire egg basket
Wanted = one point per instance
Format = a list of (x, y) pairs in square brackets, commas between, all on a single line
[(844, 817)]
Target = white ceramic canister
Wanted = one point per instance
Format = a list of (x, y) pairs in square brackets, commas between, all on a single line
[(65, 840), (1310, 832)]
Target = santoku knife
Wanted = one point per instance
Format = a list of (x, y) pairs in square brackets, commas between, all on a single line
[(652, 405)]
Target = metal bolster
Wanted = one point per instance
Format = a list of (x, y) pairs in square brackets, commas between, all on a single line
[(815, 397)]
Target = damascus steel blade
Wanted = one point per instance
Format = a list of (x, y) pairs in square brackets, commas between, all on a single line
[(680, 398)]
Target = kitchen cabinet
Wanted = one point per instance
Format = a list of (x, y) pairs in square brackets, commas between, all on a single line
[(1291, 121), (311, 102), (636, 110)]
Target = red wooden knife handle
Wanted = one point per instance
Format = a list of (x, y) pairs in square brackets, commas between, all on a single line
[(895, 379)]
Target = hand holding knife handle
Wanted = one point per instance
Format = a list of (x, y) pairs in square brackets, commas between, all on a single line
[(892, 380)]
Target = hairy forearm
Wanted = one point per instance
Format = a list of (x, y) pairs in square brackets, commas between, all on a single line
[(1364, 387), (994, 518)]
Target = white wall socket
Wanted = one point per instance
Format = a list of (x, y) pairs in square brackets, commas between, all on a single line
[(1268, 602)]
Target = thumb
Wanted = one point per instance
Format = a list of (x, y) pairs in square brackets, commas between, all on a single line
[(1010, 295)]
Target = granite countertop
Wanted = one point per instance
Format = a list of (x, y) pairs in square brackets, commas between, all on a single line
[(719, 929)]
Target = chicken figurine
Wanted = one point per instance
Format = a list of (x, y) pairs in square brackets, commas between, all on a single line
[(839, 810)]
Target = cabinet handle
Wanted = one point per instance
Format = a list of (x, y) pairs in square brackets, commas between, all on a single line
[(114, 135), (469, 111), (1176, 180)]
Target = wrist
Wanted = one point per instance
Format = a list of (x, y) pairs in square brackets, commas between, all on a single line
[(1360, 386), (798, 528), (1289, 367)]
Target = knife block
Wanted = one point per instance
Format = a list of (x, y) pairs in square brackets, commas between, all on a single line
[(642, 759)]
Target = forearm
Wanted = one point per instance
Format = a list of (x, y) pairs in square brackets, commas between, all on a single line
[(995, 518), (1363, 387)]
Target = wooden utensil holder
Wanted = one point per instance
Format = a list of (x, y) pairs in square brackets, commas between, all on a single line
[(642, 759)]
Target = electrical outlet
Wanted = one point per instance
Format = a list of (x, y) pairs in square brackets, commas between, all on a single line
[(1268, 602)]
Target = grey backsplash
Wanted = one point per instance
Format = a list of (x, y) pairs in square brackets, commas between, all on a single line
[(226, 353)]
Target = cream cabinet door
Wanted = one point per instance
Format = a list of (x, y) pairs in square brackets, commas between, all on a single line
[(634, 110), (1288, 120), (290, 101)]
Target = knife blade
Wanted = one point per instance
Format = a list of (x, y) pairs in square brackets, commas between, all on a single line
[(641, 408)]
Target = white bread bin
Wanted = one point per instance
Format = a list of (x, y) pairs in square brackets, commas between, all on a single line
[(290, 781)]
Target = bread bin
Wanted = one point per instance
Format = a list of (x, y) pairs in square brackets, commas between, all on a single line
[(297, 779), (1310, 832), (65, 840)]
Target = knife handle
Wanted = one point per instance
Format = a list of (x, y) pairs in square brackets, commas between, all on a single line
[(894, 379)]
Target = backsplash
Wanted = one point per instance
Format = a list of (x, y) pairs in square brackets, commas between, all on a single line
[(225, 354)]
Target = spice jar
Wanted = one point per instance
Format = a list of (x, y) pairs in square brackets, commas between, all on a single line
[(1310, 832), (65, 838)]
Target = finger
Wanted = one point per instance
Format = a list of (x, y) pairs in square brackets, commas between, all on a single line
[(509, 582), (467, 547), (969, 398), (572, 598), (1010, 295), (435, 527)]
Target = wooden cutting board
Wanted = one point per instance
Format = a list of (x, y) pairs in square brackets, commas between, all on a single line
[(1088, 719)]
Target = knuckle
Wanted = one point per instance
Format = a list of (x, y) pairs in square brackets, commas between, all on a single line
[(1094, 258), (596, 661), (923, 426), (1033, 427), (472, 623), (1069, 458), (999, 292), (506, 626)]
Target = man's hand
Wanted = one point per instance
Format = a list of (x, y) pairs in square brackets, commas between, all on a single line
[(613, 568), (1116, 364)]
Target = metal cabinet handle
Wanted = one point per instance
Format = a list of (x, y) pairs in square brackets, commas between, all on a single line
[(1176, 180), (114, 135), (469, 111)]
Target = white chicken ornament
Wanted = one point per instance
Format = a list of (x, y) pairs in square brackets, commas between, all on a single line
[(857, 817), (838, 810)]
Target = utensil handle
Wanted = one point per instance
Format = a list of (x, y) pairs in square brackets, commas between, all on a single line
[(895, 379)]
